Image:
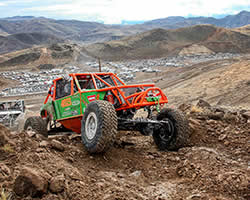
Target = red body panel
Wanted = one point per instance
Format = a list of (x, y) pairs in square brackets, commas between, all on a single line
[(73, 124)]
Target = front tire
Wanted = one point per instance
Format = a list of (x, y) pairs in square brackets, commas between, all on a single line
[(176, 135), (99, 126), (36, 124)]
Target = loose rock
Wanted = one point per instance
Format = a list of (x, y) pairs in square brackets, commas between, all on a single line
[(30, 183), (246, 115), (43, 144), (203, 104), (57, 184), (4, 171), (57, 145), (136, 173), (31, 133)]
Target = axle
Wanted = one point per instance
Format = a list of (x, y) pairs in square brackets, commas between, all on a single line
[(145, 126)]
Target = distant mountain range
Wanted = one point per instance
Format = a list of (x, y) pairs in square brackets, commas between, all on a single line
[(230, 21), (92, 32)]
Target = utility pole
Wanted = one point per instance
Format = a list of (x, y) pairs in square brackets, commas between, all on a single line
[(100, 66)]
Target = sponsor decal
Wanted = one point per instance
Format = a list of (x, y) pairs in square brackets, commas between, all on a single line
[(74, 112), (66, 102), (91, 97), (75, 103), (66, 114)]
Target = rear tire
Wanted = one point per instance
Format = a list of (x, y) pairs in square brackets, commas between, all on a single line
[(36, 124), (176, 135), (1, 107), (99, 126)]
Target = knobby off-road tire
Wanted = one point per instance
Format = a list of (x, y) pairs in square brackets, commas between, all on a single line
[(179, 130), (36, 124), (99, 126)]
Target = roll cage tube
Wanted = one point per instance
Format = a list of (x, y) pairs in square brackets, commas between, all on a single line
[(49, 94), (138, 99)]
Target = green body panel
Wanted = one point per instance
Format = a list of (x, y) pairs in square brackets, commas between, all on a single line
[(49, 108), (72, 106), (152, 99), (68, 106)]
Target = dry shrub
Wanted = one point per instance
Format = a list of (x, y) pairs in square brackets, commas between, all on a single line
[(7, 148), (5, 196), (196, 109)]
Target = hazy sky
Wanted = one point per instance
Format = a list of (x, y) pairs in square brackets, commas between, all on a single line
[(114, 11)]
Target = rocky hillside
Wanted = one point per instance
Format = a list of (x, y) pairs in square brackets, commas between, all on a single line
[(54, 55), (222, 82), (20, 41), (214, 166), (160, 43)]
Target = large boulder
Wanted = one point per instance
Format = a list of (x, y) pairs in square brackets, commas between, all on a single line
[(30, 183)]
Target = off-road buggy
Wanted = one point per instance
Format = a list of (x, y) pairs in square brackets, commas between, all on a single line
[(97, 105), (10, 110)]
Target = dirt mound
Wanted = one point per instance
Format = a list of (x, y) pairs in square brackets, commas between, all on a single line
[(61, 51), (215, 166)]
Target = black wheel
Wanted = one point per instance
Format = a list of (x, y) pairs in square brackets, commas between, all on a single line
[(1, 107), (99, 126), (36, 124), (175, 134)]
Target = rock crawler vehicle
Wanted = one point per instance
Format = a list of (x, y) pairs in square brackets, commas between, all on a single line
[(97, 105), (10, 110)]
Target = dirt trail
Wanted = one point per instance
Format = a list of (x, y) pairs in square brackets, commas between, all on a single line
[(215, 166)]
